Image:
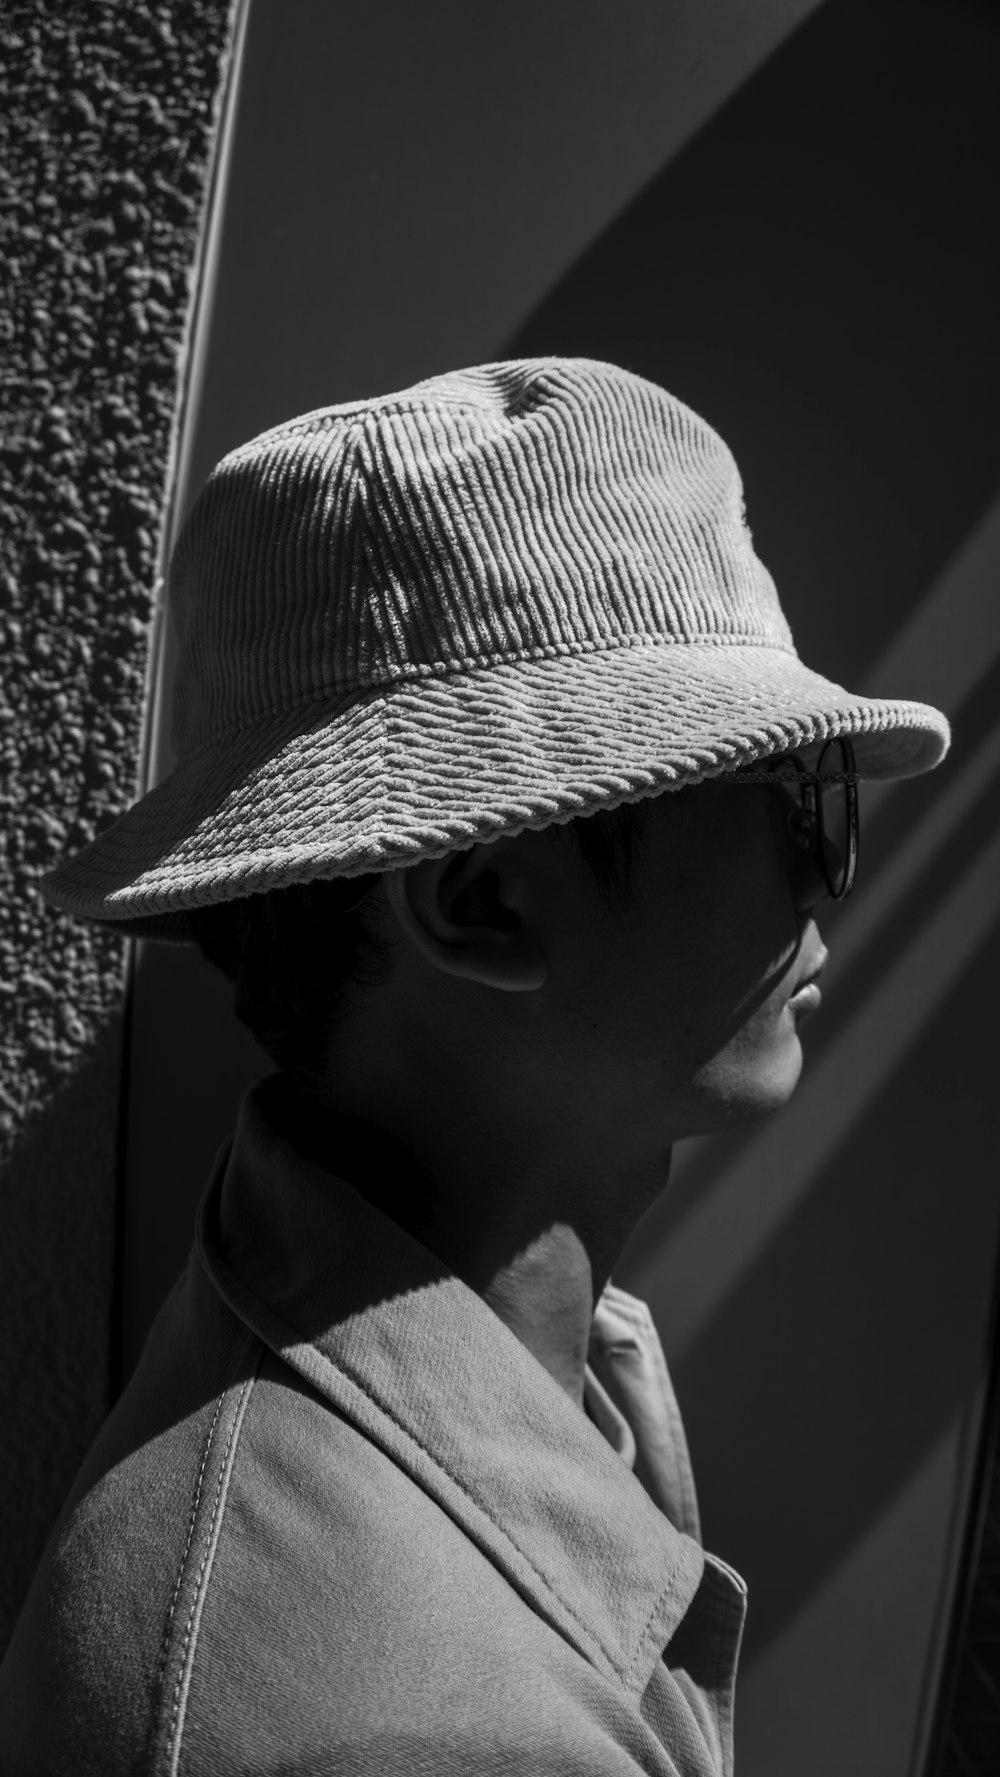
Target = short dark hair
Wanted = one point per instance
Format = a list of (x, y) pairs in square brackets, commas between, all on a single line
[(293, 955)]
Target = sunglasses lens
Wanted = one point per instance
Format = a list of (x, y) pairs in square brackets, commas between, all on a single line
[(837, 825)]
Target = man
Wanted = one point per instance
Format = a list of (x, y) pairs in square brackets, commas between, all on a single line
[(506, 804)]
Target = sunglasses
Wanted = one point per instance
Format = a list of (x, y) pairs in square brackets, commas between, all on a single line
[(823, 819)]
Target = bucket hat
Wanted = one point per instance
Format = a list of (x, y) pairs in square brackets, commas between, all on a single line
[(506, 597)]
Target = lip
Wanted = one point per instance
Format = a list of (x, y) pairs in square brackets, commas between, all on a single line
[(807, 995)]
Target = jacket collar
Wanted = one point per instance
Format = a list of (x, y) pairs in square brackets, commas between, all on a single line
[(420, 1363)]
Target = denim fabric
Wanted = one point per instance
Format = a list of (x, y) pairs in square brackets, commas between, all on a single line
[(342, 1521)]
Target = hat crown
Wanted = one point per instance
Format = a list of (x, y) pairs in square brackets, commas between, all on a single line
[(520, 510)]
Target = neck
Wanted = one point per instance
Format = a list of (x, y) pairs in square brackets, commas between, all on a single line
[(539, 1265), (546, 1295)]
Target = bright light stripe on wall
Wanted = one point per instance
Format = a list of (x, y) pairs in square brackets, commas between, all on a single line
[(950, 641), (914, 855), (689, 1278), (158, 757)]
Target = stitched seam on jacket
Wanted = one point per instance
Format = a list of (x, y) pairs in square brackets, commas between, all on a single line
[(165, 1648), (169, 1751), (647, 1631), (189, 1641)]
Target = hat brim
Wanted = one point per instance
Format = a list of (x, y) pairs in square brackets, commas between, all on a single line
[(432, 764)]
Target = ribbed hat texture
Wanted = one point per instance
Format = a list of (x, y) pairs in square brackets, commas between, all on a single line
[(503, 598)]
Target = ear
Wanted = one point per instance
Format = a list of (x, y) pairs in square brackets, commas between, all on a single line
[(468, 913)]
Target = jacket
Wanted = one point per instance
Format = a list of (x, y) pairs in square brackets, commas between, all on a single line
[(342, 1521)]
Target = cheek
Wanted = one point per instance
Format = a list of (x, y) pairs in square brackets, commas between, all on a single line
[(725, 1037), (731, 981), (685, 998), (750, 1056), (754, 1073), (698, 1024)]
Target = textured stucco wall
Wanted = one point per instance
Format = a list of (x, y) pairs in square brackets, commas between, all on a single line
[(106, 135)]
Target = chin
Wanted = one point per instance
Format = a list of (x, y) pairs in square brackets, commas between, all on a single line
[(736, 1090)]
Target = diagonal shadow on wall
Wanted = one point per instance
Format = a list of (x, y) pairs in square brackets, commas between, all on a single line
[(812, 274)]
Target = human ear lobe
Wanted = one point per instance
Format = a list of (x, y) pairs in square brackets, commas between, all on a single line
[(461, 912)]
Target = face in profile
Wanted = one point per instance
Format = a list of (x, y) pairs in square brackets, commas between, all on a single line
[(635, 1024), (686, 1006)]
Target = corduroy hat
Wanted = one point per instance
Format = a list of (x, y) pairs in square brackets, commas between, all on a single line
[(504, 598)]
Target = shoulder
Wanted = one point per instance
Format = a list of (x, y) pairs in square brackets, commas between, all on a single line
[(242, 1581)]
